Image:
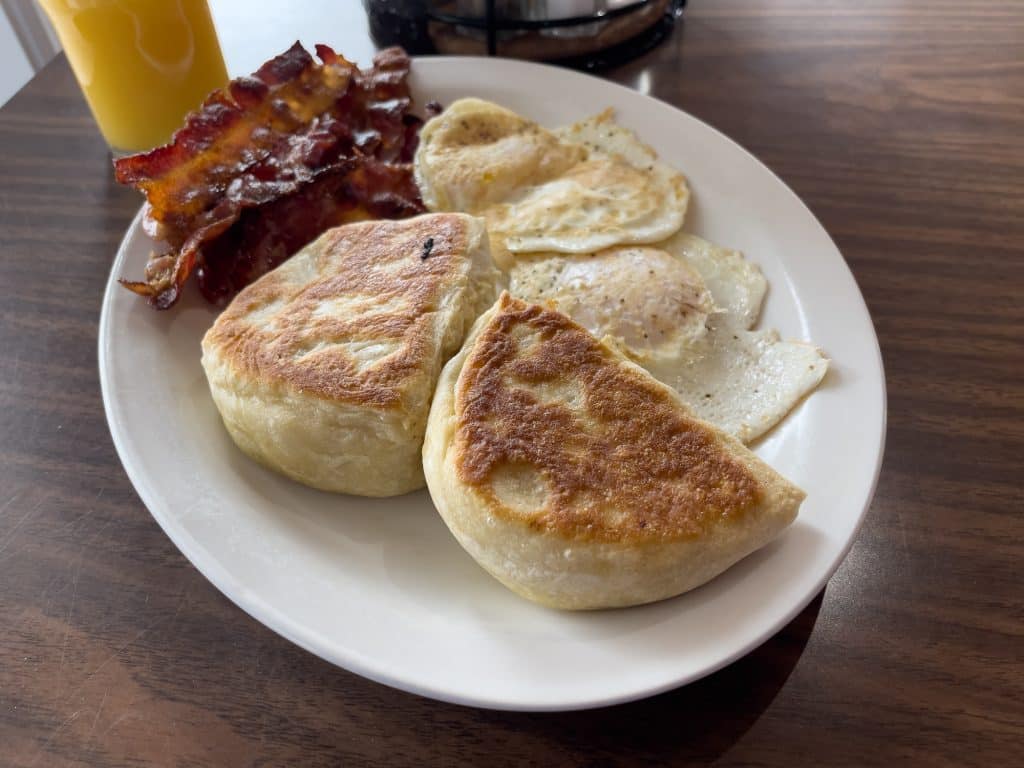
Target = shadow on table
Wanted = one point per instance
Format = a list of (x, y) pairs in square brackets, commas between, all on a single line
[(699, 721)]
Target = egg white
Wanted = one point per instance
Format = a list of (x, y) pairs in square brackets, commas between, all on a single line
[(738, 285)]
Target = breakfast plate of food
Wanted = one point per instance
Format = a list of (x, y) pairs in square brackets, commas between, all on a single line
[(487, 380)]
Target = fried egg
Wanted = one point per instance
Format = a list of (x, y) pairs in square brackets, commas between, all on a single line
[(476, 154), (685, 322), (648, 302), (590, 186)]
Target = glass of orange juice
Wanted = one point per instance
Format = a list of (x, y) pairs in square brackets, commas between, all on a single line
[(142, 64)]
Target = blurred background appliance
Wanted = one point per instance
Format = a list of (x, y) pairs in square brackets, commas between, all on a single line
[(587, 34)]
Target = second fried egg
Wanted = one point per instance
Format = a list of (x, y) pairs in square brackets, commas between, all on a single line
[(650, 303), (686, 322)]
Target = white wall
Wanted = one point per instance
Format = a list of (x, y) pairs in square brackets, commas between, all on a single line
[(250, 32), (15, 69)]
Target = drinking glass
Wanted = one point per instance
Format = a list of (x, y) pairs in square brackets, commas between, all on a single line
[(142, 64)]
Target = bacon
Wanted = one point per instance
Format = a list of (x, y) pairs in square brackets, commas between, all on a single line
[(271, 161), (264, 237)]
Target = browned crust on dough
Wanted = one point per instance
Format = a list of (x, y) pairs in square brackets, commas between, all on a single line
[(633, 467), (379, 261)]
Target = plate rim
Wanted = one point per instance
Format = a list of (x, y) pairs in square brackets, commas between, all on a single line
[(263, 612)]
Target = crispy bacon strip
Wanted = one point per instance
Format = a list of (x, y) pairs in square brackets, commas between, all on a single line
[(269, 162)]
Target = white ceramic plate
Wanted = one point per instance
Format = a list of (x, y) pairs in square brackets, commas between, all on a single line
[(381, 588)]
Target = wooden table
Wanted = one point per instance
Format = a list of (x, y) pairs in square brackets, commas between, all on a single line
[(902, 126)]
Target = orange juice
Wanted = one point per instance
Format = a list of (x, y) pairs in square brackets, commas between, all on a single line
[(142, 64)]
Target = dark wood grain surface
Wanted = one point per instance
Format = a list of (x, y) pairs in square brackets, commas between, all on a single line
[(901, 124)]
